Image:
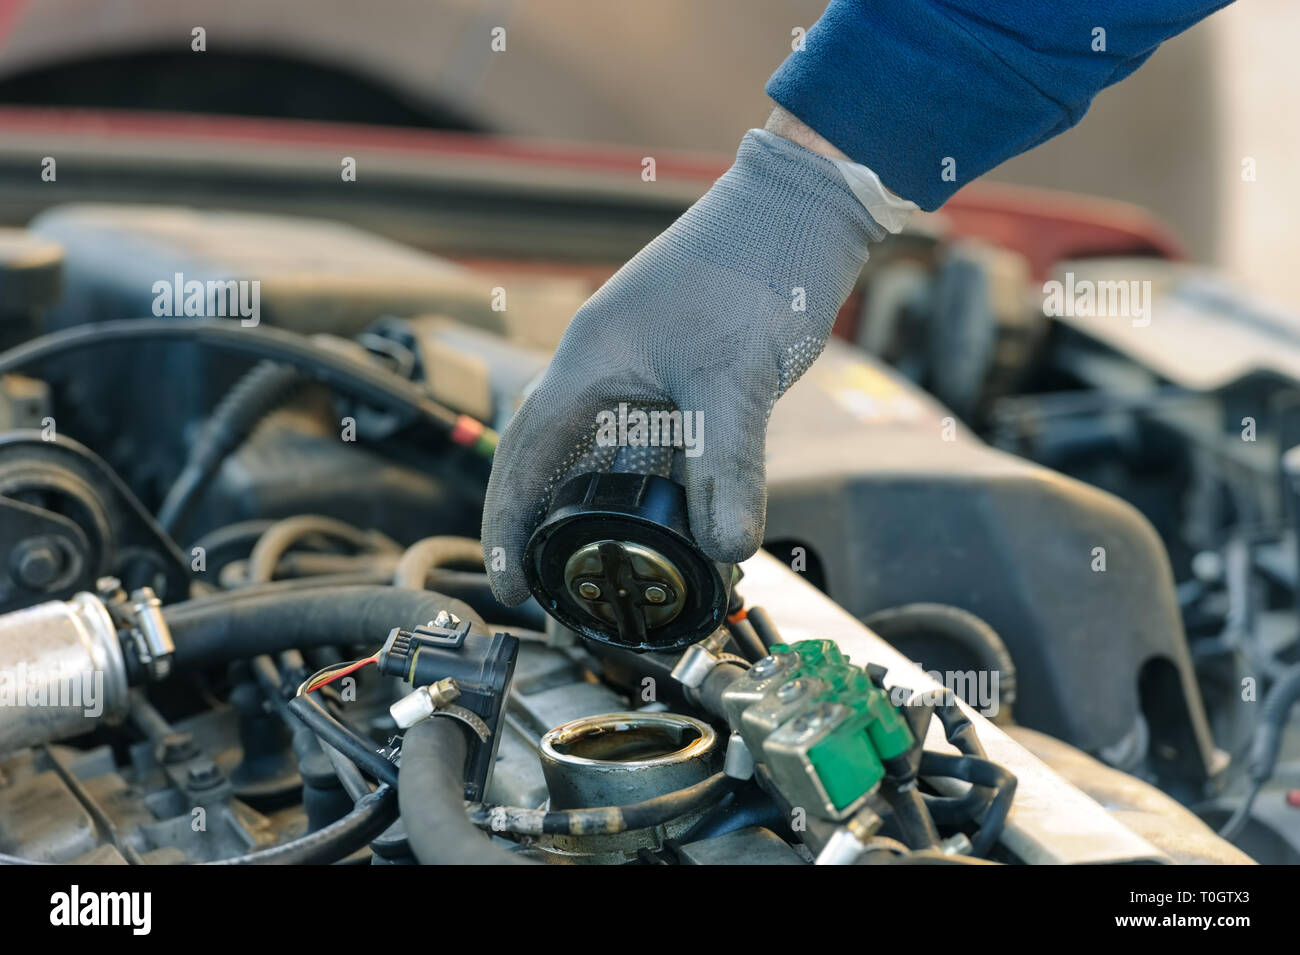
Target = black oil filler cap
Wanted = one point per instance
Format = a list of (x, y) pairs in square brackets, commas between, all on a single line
[(615, 561)]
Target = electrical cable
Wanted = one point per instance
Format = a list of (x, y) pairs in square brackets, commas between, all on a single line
[(372, 815), (764, 626), (747, 639), (261, 390), (365, 381), (348, 742), (1266, 746), (976, 771), (972, 804)]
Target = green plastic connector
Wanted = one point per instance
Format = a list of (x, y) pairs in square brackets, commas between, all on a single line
[(866, 732)]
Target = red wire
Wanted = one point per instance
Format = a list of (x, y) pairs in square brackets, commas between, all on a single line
[(342, 673)]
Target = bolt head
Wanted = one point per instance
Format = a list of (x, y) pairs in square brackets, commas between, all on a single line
[(204, 775), (656, 594), (789, 692), (445, 620), (588, 590), (37, 563), (811, 722), (176, 748)]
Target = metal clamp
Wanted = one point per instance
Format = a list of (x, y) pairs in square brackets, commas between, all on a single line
[(437, 699), (700, 659), (142, 618)]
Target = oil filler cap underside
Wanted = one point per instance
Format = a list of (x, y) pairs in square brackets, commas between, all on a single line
[(614, 560)]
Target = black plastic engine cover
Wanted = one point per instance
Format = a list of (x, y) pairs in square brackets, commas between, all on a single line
[(893, 502)]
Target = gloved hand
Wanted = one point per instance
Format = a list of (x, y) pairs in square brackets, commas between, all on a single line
[(718, 315)]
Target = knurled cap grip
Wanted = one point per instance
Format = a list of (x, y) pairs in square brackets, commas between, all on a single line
[(615, 561)]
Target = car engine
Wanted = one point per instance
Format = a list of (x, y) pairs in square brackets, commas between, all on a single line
[(244, 617)]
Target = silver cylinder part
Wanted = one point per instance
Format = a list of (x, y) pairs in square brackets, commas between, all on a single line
[(61, 672), (619, 758)]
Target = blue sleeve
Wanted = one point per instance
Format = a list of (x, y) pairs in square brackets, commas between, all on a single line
[(934, 93)]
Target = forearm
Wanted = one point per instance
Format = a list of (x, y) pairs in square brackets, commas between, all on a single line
[(931, 94)]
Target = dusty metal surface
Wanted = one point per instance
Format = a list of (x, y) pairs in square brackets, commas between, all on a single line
[(620, 758)]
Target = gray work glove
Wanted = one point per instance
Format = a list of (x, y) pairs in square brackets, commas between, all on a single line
[(718, 316)]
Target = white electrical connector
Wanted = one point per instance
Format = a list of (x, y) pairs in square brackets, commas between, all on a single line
[(423, 702), (842, 848), (850, 842)]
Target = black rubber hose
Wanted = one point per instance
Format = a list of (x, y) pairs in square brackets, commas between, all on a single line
[(355, 747), (973, 803), (747, 639), (261, 390), (764, 626), (979, 772), (738, 810), (1266, 745), (372, 814), (270, 619), (897, 625), (431, 793), (912, 817), (305, 740), (716, 683), (465, 587)]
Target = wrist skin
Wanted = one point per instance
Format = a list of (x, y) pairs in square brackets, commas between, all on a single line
[(788, 126)]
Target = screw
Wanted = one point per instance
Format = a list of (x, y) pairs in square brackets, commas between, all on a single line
[(588, 590), (37, 563), (789, 692), (810, 722), (204, 775), (445, 620), (656, 594), (176, 748), (765, 667)]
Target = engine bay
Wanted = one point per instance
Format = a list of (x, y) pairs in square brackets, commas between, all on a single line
[(244, 619)]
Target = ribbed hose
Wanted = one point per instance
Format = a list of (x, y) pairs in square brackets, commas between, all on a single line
[(911, 621), (431, 795), (263, 389)]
